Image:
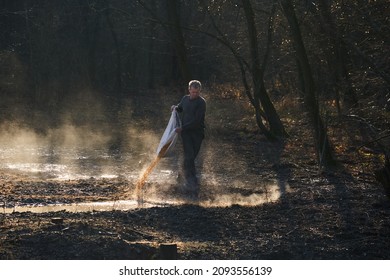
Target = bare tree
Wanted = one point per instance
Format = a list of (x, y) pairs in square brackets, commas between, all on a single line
[(260, 97), (323, 147), (177, 37), (267, 119), (337, 55), (118, 75)]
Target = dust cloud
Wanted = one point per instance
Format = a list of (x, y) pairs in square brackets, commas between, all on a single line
[(84, 139), (89, 139)]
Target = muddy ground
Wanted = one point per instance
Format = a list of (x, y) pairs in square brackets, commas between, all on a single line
[(258, 200)]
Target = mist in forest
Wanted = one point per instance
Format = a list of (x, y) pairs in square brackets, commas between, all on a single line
[(85, 141), (72, 74)]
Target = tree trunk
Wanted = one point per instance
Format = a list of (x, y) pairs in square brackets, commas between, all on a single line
[(323, 147), (118, 72), (261, 97), (177, 39), (90, 36), (340, 55), (383, 176), (151, 45)]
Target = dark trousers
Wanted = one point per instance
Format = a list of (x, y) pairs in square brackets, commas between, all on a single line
[(192, 140)]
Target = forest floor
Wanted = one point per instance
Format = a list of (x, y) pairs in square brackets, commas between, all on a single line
[(258, 199)]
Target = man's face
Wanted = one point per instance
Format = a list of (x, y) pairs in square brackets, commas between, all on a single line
[(194, 92)]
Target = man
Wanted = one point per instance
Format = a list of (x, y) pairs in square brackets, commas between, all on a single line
[(193, 109)]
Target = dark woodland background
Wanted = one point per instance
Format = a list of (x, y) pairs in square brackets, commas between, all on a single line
[(333, 55)]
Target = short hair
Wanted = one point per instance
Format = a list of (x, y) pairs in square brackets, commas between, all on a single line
[(195, 84)]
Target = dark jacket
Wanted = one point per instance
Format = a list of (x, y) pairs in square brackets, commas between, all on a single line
[(192, 113)]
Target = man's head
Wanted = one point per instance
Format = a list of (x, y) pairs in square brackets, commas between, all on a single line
[(194, 88)]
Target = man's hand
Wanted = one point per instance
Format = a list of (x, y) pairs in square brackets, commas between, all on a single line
[(178, 130)]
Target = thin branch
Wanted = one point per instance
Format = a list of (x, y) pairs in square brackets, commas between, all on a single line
[(375, 140)]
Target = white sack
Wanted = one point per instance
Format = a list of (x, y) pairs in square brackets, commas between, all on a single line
[(170, 135)]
